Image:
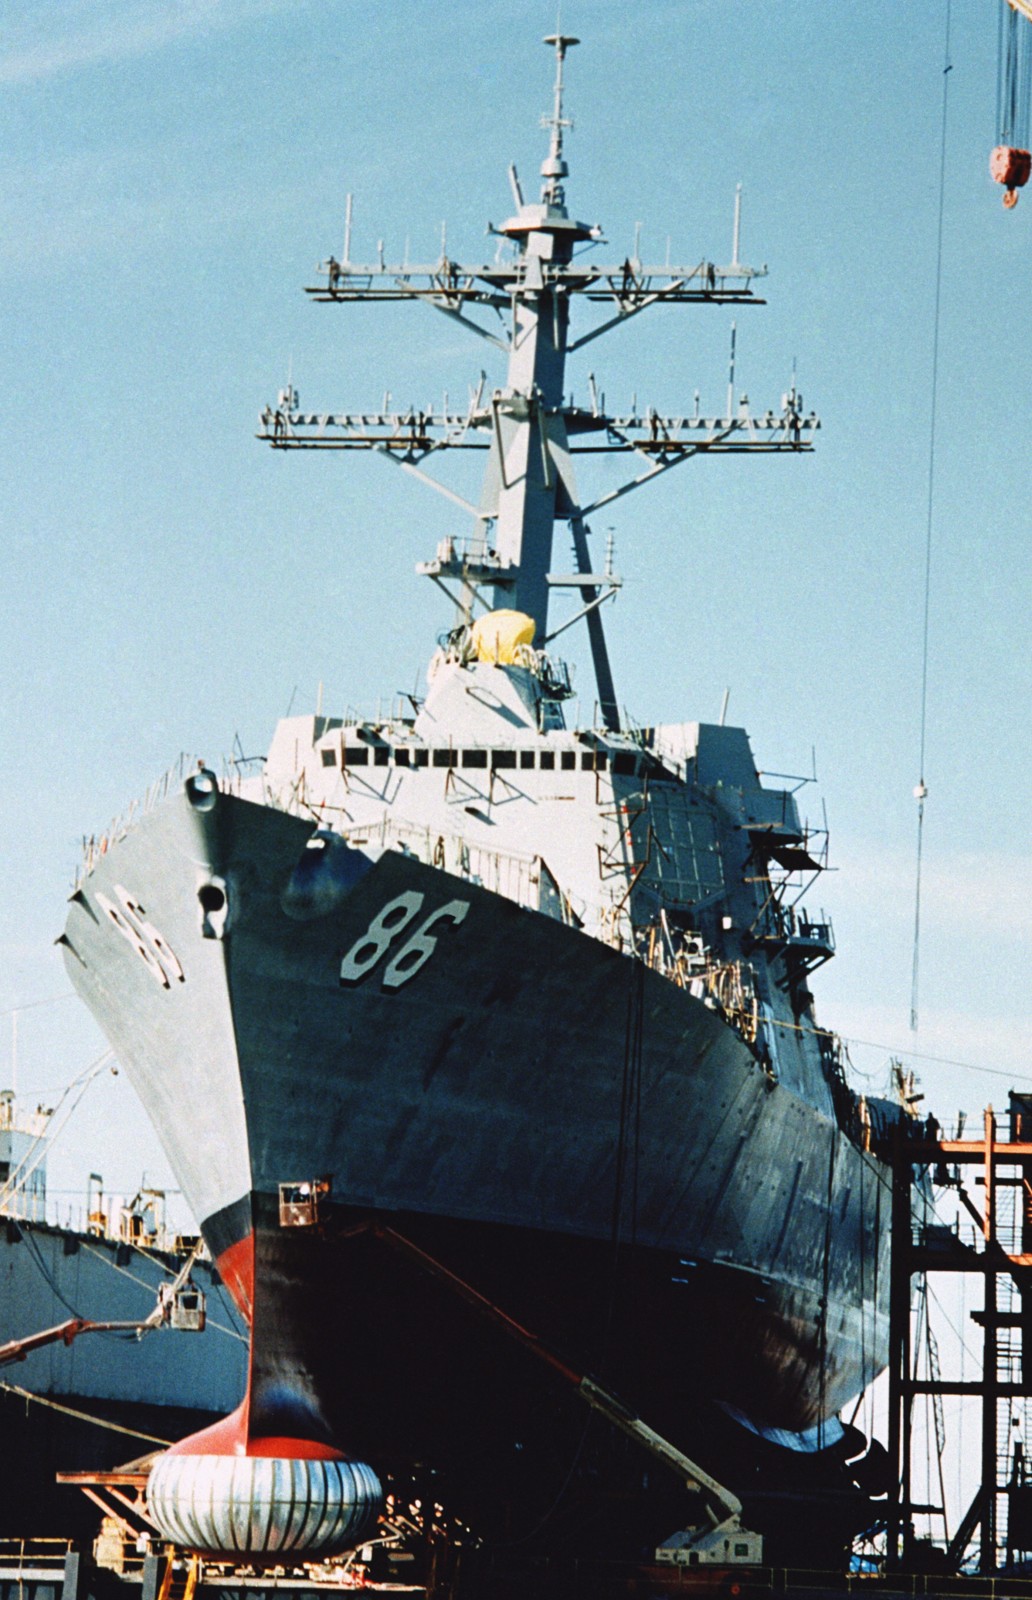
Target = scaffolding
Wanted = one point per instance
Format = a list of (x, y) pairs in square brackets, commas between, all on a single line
[(1000, 1252)]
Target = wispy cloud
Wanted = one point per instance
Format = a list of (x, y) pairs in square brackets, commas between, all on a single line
[(47, 41), (986, 891), (128, 202), (976, 944), (71, 205)]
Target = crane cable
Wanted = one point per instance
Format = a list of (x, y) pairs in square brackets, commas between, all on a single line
[(1013, 77), (1010, 162), (921, 789)]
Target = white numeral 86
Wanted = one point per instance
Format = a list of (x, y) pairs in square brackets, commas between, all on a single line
[(384, 929)]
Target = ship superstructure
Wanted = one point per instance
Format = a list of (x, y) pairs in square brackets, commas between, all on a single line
[(660, 841), (533, 998)]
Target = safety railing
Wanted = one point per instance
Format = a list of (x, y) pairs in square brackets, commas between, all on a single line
[(96, 845)]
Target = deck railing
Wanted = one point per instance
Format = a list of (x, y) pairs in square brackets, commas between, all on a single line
[(97, 845)]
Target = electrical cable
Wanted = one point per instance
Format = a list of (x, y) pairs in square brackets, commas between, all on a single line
[(82, 1416), (37, 1257), (905, 1052), (31, 1005), (43, 1141), (822, 1321), (862, 1255), (938, 1418)]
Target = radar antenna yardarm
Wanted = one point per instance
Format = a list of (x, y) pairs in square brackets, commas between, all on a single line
[(527, 427)]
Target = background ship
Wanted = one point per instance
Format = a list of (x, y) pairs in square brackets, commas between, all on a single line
[(99, 1398), (532, 1000)]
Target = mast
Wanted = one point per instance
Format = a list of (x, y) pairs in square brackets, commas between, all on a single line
[(527, 494), (527, 427)]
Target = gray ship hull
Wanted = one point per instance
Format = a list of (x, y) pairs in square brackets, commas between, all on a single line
[(522, 1098), (106, 1396), (50, 1274)]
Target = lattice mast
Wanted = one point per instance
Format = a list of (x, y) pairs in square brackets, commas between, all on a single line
[(528, 427)]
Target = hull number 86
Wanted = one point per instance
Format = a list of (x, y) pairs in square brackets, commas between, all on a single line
[(384, 931)]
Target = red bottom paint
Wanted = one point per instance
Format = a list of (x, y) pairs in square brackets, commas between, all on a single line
[(230, 1437), (236, 1269)]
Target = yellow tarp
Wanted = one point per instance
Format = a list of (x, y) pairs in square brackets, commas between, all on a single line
[(498, 635)]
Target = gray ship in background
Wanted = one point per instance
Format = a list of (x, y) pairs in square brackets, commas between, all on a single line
[(466, 1006), (86, 1400)]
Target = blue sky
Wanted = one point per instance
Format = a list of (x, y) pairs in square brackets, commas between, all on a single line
[(172, 174)]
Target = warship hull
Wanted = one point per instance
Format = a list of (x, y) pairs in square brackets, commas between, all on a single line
[(475, 1035), (588, 1147)]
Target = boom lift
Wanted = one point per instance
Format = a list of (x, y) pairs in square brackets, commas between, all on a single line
[(179, 1305), (719, 1539)]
